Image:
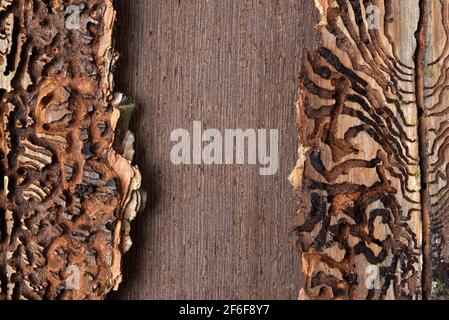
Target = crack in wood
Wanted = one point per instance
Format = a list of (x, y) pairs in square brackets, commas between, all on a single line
[(420, 64)]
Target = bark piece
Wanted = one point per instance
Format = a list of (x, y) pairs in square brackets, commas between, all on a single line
[(66, 197), (372, 169)]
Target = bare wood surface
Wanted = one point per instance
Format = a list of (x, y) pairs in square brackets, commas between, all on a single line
[(212, 231), (372, 172), (361, 213)]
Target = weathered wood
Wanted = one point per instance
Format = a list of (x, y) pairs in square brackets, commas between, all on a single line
[(372, 168), (212, 232), (66, 197), (435, 119)]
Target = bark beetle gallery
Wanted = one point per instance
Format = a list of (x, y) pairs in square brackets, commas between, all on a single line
[(66, 197), (373, 171)]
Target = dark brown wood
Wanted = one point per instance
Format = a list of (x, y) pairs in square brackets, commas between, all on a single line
[(212, 231)]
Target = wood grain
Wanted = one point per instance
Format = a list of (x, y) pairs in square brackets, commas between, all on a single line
[(212, 232), (373, 168)]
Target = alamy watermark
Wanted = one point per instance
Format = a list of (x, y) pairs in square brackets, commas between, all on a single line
[(73, 280), (232, 146), (373, 277), (73, 20), (373, 17)]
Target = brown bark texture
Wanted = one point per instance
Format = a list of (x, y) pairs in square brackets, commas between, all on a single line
[(373, 172), (66, 196)]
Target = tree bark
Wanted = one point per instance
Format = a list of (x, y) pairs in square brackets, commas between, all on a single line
[(372, 169), (66, 197)]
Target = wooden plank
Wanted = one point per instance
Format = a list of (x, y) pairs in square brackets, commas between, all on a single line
[(373, 163), (360, 227), (435, 119), (212, 232)]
